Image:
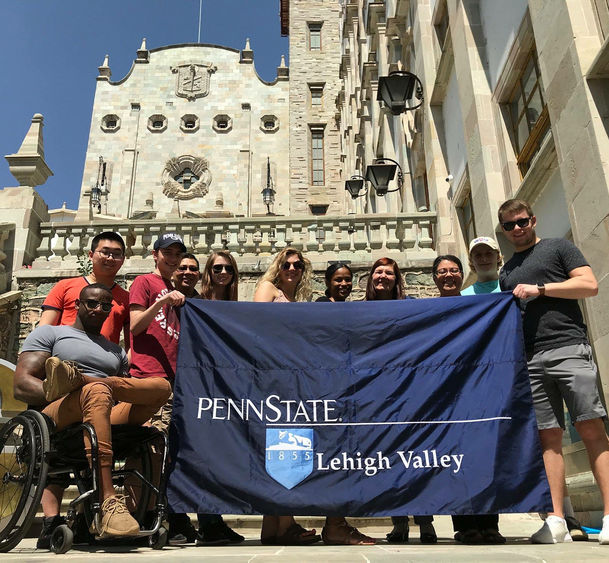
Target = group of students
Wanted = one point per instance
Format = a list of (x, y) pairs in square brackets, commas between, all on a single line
[(148, 316)]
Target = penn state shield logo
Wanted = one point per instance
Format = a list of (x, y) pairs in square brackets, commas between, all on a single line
[(289, 455)]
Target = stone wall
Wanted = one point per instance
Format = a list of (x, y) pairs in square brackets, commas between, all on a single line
[(314, 67), (232, 120)]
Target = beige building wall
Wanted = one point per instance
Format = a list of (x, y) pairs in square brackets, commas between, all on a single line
[(516, 105), (314, 66), (230, 118)]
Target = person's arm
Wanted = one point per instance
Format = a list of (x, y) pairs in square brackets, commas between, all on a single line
[(49, 317), (581, 284), (29, 373), (265, 293), (140, 317)]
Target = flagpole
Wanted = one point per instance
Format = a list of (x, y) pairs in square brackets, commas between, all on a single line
[(200, 9)]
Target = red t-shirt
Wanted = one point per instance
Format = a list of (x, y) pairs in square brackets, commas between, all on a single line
[(63, 298), (154, 352)]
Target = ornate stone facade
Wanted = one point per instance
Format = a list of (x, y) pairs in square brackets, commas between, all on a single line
[(192, 109)]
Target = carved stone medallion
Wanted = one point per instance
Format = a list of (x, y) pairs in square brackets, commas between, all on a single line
[(186, 177), (193, 79)]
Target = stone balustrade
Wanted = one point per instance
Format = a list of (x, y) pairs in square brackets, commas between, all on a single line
[(354, 237)]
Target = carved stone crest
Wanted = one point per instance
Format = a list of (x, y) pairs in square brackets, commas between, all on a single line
[(186, 177), (193, 79)]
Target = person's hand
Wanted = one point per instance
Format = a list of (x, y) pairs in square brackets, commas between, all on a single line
[(174, 298), (526, 291)]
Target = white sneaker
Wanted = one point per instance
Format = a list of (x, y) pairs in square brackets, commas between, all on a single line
[(603, 537), (554, 530)]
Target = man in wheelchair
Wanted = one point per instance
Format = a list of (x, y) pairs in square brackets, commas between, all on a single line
[(74, 374)]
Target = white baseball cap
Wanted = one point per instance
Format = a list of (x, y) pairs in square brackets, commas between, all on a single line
[(490, 242)]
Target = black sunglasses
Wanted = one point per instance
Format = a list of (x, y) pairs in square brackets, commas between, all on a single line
[(93, 304), (298, 265), (190, 268), (522, 223), (217, 268)]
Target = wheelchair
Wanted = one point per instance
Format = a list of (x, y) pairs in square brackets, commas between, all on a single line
[(31, 451)]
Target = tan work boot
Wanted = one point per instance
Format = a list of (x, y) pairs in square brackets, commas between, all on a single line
[(62, 378), (116, 520)]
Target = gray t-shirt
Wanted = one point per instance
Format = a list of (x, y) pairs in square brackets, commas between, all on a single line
[(95, 355), (548, 322)]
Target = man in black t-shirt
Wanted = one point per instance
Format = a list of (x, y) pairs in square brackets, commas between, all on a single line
[(549, 276)]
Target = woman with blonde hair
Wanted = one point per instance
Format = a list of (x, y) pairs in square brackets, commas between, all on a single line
[(287, 280), (220, 279)]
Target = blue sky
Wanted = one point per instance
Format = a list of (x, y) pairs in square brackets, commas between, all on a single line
[(50, 51)]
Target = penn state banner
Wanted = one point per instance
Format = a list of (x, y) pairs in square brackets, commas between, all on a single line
[(360, 409)]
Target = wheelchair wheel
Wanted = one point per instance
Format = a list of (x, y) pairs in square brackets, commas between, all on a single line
[(24, 442), (62, 539)]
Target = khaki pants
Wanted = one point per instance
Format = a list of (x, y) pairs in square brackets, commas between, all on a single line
[(95, 403)]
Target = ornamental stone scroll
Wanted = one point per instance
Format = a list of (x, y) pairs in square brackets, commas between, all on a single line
[(186, 177)]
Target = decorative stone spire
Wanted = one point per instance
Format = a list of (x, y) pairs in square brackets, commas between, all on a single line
[(104, 70), (283, 72), (247, 55), (143, 54), (28, 165)]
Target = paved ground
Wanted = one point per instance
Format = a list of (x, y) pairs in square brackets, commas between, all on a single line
[(516, 528)]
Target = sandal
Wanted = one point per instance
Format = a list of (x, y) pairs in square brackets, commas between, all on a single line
[(295, 535), (347, 535)]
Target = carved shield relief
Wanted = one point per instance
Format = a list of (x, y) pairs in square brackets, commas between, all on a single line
[(193, 80)]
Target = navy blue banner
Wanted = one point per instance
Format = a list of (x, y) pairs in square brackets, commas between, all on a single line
[(360, 409)]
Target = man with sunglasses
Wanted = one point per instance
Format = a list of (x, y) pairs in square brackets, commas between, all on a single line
[(549, 276), (72, 373), (187, 275), (107, 255)]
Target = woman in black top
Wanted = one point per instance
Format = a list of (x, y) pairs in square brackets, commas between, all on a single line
[(337, 531)]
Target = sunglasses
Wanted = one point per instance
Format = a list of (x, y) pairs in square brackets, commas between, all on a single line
[(298, 265), (522, 223), (93, 304), (188, 268), (217, 268)]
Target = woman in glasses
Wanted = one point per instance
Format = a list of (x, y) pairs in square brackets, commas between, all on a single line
[(220, 281), (479, 528), (385, 282), (287, 280)]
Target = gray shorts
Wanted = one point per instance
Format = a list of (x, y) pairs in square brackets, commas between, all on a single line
[(567, 373)]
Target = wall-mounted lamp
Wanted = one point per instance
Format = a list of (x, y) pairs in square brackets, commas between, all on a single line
[(268, 193), (380, 173), (396, 91), (354, 185)]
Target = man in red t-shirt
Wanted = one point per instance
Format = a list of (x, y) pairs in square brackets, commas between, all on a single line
[(155, 330), (155, 324), (107, 255)]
